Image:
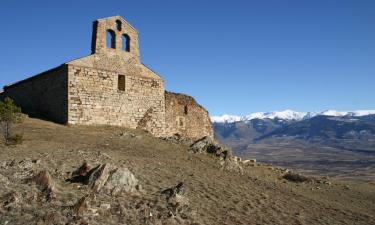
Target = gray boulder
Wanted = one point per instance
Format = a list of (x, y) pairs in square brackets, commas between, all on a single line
[(121, 180)]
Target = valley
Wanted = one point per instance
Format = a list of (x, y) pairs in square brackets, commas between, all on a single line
[(341, 146)]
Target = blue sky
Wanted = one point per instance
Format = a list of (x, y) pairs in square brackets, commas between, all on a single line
[(235, 57)]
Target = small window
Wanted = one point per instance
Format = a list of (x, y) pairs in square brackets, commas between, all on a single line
[(118, 25), (111, 39), (121, 82), (181, 122), (186, 110), (125, 41)]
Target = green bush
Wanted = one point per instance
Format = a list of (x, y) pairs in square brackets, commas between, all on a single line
[(10, 114)]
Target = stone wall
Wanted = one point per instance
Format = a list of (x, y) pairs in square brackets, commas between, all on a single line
[(185, 117), (119, 27), (94, 98), (111, 87), (42, 96), (94, 93)]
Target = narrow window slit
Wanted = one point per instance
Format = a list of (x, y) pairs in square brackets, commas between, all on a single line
[(121, 82)]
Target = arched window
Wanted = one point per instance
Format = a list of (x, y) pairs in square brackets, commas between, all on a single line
[(125, 39), (111, 39), (118, 25), (186, 110)]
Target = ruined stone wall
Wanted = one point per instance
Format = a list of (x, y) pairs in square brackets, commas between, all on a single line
[(42, 96), (184, 116), (94, 98)]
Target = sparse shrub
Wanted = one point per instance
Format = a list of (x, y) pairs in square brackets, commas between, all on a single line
[(14, 139), (10, 114), (295, 177)]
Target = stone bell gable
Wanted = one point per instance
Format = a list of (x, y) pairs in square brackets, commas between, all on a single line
[(108, 87), (124, 37)]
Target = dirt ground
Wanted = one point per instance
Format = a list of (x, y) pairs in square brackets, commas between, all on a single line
[(258, 196)]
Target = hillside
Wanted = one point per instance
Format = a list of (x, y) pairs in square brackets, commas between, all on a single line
[(212, 196)]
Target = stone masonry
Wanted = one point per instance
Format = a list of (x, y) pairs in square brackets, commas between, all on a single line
[(184, 116), (110, 87)]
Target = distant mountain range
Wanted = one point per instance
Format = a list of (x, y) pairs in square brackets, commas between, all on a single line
[(288, 115), (349, 130), (330, 142)]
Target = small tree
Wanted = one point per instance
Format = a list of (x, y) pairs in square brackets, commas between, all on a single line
[(9, 114)]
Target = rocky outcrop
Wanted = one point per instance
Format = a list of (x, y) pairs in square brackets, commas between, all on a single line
[(226, 159), (177, 203), (97, 177), (106, 178), (208, 145)]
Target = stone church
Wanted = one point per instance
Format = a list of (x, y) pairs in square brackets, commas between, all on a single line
[(110, 87)]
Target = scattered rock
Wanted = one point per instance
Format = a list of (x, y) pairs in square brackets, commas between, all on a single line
[(249, 162), (81, 206), (36, 161), (82, 170), (105, 206), (237, 159), (25, 164), (231, 165), (9, 199), (107, 178), (176, 202), (208, 145), (54, 218), (173, 191), (44, 183), (103, 154), (79, 175), (97, 177), (178, 139), (228, 162), (121, 180), (3, 180), (127, 135)]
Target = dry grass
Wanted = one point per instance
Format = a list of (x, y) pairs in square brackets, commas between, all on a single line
[(260, 196)]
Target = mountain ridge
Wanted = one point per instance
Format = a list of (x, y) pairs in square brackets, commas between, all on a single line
[(288, 115)]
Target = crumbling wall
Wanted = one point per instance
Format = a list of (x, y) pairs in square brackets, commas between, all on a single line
[(94, 98), (43, 96), (185, 117)]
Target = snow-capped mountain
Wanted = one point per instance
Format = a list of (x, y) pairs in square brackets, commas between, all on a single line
[(284, 115), (288, 115), (225, 118)]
